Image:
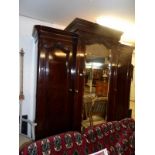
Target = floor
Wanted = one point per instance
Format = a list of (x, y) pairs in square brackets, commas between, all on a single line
[(23, 140)]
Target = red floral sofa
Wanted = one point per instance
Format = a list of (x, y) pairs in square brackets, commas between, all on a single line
[(117, 136), (69, 143)]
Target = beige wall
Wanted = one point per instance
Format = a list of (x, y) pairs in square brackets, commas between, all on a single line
[(132, 89)]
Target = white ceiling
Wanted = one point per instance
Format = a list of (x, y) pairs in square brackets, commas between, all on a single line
[(62, 12)]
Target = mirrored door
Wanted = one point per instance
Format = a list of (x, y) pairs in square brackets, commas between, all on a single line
[(96, 88)]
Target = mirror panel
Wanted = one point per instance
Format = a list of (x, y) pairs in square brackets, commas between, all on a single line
[(97, 70), (97, 73)]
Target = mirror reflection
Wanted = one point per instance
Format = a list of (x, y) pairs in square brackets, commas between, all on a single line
[(97, 71)]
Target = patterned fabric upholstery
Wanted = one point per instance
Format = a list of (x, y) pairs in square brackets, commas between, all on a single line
[(69, 143), (117, 136)]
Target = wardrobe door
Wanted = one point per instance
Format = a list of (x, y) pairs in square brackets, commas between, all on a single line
[(55, 98), (113, 86), (124, 75), (123, 95), (120, 80), (59, 98)]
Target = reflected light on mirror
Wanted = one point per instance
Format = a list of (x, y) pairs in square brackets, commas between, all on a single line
[(70, 54), (72, 71), (81, 54), (94, 65), (60, 54), (42, 55), (127, 28), (50, 57)]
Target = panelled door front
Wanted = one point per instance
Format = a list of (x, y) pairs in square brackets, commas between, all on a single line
[(55, 98)]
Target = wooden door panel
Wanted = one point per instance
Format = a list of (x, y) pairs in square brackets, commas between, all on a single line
[(54, 100), (53, 96), (58, 101)]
